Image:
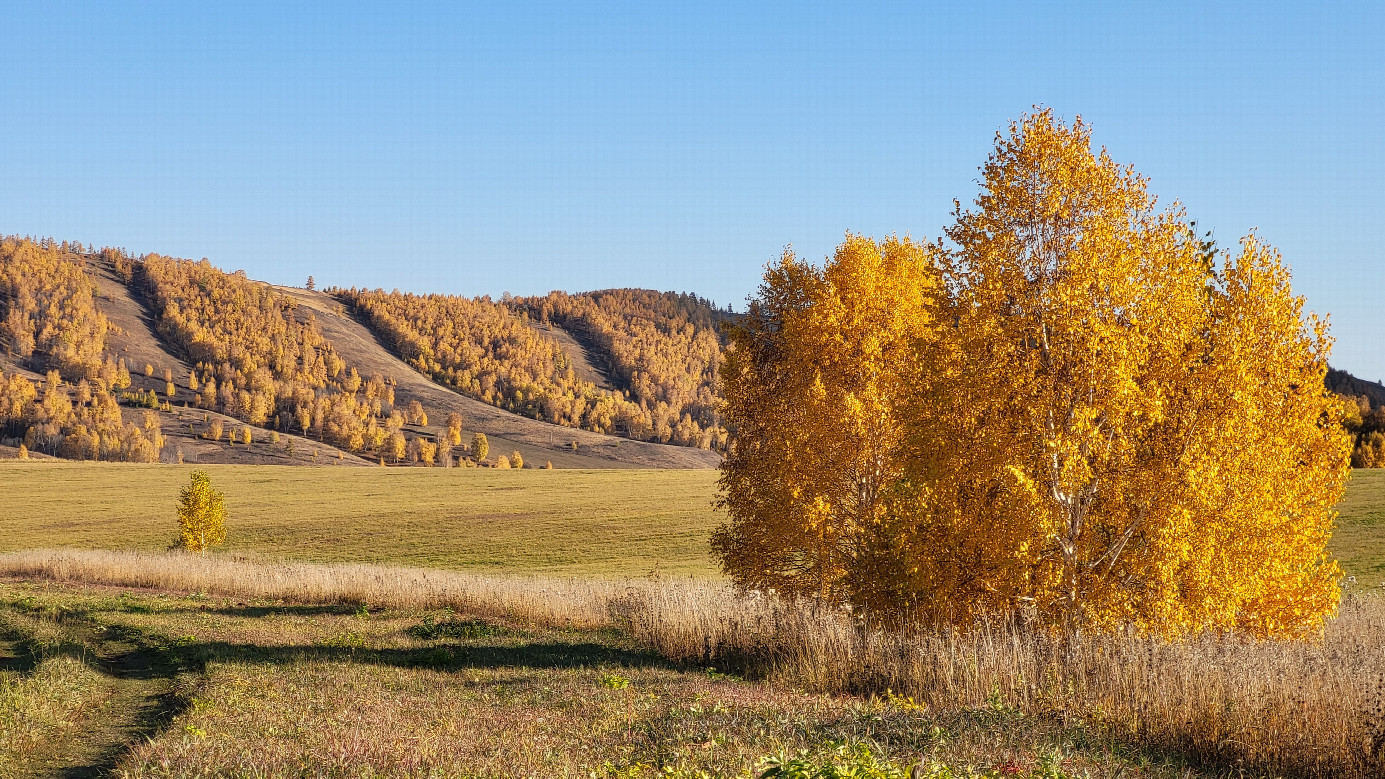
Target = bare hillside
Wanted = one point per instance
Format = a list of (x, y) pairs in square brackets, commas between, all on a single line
[(133, 338), (132, 334), (582, 363), (536, 441)]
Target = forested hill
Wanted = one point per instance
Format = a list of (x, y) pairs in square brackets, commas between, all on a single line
[(1365, 417), (633, 363), (1344, 383), (108, 356), (660, 348)]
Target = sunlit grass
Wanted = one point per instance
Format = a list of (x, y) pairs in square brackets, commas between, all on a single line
[(605, 523), (1359, 541), (1287, 707), (274, 688)]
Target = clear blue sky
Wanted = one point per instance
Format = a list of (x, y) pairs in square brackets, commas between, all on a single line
[(526, 147)]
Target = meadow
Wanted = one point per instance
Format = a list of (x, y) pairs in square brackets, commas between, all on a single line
[(449, 622), (607, 523), (170, 664), (101, 681), (610, 523)]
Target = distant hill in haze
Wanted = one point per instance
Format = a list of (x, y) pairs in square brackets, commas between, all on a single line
[(1344, 383)]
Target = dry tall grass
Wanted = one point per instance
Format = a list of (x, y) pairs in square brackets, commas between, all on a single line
[(543, 600), (1297, 708)]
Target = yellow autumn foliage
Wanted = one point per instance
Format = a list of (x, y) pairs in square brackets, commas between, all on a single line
[(814, 377), (201, 514), (1073, 406)]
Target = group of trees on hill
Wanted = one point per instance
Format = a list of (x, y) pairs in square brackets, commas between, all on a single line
[(664, 348), (661, 349), (478, 348), (77, 422), (1366, 423), (51, 323), (258, 360), (1364, 418), (256, 357), (49, 307), (1072, 405)]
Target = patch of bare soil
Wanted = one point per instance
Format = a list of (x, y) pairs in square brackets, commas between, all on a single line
[(584, 363)]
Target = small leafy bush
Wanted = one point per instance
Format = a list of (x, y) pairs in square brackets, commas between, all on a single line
[(430, 629), (346, 640), (856, 761), (614, 682)]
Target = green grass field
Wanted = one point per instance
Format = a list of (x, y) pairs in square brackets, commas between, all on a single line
[(604, 523), (1359, 542)]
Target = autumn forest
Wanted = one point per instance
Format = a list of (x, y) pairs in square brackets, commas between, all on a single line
[(256, 357)]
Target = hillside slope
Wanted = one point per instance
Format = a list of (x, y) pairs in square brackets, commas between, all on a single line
[(537, 441), (180, 341), (70, 328), (134, 339), (587, 364), (1344, 383), (132, 334)]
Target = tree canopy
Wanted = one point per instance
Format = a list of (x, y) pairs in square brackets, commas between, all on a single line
[(1092, 414), (201, 514)]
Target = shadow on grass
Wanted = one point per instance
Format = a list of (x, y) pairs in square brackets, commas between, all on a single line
[(144, 675), (148, 663), (539, 655), (131, 654), (133, 606), (16, 654), (255, 612)]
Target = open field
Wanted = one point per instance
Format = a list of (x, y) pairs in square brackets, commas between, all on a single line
[(171, 664), (1359, 542), (158, 664), (605, 523)]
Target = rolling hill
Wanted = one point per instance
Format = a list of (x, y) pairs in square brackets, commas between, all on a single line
[(187, 347)]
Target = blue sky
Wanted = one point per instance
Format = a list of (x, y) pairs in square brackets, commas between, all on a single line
[(506, 146)]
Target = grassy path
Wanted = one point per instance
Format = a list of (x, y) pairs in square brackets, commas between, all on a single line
[(119, 692), (178, 684)]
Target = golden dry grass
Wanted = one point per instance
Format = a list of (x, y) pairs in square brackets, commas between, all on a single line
[(1292, 708), (270, 689)]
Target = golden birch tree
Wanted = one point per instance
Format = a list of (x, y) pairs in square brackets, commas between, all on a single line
[(1092, 414), (813, 379), (201, 514), (1139, 430)]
